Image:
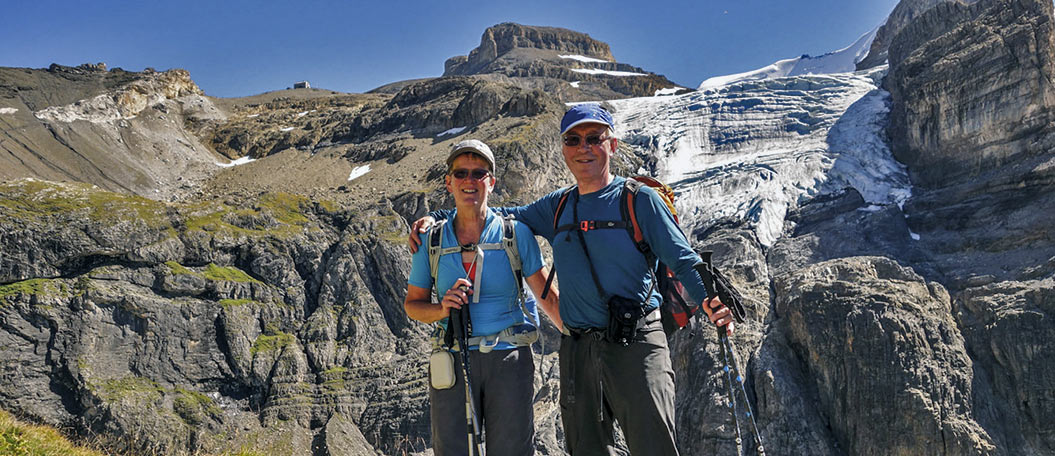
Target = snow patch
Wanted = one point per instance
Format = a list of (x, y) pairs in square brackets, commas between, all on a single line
[(914, 236), (286, 129), (359, 171), (8, 110), (582, 58), (842, 61), (607, 72), (575, 84), (302, 114), (453, 131), (670, 91), (240, 161), (252, 116)]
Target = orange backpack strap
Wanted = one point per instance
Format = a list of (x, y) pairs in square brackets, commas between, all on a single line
[(560, 208), (629, 213)]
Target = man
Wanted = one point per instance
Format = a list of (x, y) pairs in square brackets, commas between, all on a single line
[(601, 379), (475, 273)]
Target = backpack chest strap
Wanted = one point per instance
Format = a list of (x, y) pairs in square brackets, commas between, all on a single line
[(587, 225)]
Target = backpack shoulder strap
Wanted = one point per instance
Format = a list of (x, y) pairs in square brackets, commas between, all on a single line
[(436, 250), (560, 210), (557, 229), (627, 210), (509, 243)]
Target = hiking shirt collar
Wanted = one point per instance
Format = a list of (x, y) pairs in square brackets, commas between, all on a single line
[(615, 185)]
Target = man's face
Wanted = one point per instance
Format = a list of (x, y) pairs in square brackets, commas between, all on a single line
[(588, 161), (467, 190)]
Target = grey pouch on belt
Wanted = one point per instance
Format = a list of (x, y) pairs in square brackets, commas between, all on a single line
[(441, 369), (441, 362)]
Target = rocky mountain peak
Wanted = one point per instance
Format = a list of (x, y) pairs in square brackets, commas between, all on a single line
[(551, 59), (502, 38)]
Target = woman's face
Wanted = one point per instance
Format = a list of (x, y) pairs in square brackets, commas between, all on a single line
[(470, 191)]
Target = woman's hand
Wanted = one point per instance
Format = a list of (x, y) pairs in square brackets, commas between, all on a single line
[(456, 296)]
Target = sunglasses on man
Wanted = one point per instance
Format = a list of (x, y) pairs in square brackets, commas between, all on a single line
[(476, 174), (575, 140)]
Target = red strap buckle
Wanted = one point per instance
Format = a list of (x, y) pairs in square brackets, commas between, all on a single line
[(587, 225)]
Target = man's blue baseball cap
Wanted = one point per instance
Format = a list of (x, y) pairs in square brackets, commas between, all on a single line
[(585, 113)]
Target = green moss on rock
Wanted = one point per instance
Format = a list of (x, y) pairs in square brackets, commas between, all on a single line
[(265, 343), (227, 273), (117, 389), (194, 407), (287, 208), (30, 199), (177, 268), (33, 287)]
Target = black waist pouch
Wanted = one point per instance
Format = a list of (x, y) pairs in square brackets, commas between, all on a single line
[(625, 317)]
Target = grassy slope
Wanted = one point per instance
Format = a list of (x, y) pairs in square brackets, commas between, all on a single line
[(21, 439)]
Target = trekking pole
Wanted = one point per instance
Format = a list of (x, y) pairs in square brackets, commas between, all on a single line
[(728, 380), (729, 354), (718, 285), (460, 324)]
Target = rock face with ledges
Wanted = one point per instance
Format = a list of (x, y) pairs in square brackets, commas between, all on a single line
[(902, 15), (264, 337), (972, 89), (875, 337)]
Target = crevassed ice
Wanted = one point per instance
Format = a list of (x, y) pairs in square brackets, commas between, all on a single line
[(754, 149)]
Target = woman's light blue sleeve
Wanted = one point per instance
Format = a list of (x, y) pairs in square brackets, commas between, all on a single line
[(527, 246), (420, 274)]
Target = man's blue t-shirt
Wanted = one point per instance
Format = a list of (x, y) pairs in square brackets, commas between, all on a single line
[(620, 267), (499, 307)]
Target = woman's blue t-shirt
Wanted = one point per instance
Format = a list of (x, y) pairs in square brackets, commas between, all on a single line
[(499, 307)]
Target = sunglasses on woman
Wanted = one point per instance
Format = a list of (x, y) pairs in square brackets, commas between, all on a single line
[(575, 140), (476, 174)]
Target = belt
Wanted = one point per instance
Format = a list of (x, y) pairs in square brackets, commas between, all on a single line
[(517, 336), (649, 318)]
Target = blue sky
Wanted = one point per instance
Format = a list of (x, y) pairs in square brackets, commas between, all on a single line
[(237, 48)]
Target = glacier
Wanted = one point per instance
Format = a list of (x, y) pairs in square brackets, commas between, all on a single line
[(750, 151)]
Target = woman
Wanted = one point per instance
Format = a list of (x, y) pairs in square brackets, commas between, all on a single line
[(482, 282)]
